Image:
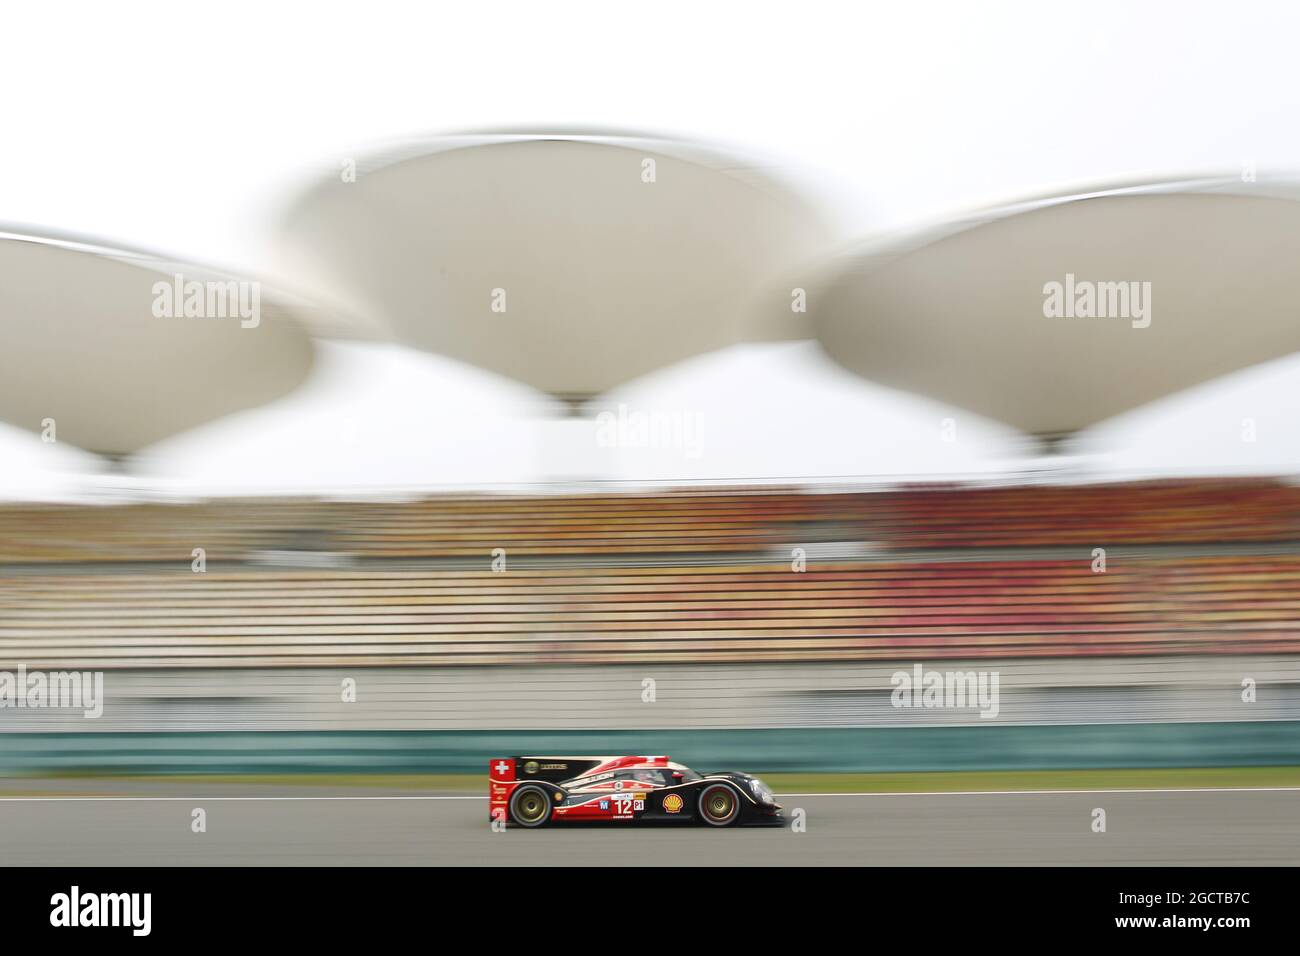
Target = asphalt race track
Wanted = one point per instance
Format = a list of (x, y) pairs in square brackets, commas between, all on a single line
[(308, 826)]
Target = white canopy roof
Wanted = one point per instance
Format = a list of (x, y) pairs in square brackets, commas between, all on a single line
[(82, 345), (1034, 314), (571, 264)]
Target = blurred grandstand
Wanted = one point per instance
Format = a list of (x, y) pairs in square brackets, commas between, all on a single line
[(1192, 567), (701, 591)]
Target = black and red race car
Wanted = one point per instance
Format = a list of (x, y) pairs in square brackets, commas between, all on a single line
[(534, 791)]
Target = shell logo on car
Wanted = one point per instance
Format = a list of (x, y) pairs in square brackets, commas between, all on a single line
[(673, 803)]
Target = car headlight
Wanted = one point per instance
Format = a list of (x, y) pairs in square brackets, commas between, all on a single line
[(761, 792)]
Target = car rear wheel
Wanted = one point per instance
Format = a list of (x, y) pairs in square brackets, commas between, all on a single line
[(530, 806), (719, 805)]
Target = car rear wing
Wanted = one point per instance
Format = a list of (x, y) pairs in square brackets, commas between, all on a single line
[(540, 767)]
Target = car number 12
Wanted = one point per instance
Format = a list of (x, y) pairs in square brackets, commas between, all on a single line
[(626, 803)]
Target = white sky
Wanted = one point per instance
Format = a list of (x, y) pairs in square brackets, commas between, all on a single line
[(186, 128)]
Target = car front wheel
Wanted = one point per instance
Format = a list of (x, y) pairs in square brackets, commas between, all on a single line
[(719, 805)]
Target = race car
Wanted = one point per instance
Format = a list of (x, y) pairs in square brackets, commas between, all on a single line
[(534, 791)]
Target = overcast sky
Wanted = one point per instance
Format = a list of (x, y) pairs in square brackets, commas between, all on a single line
[(186, 128)]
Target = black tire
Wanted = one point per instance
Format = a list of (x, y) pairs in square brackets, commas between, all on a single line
[(719, 805), (530, 806)]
